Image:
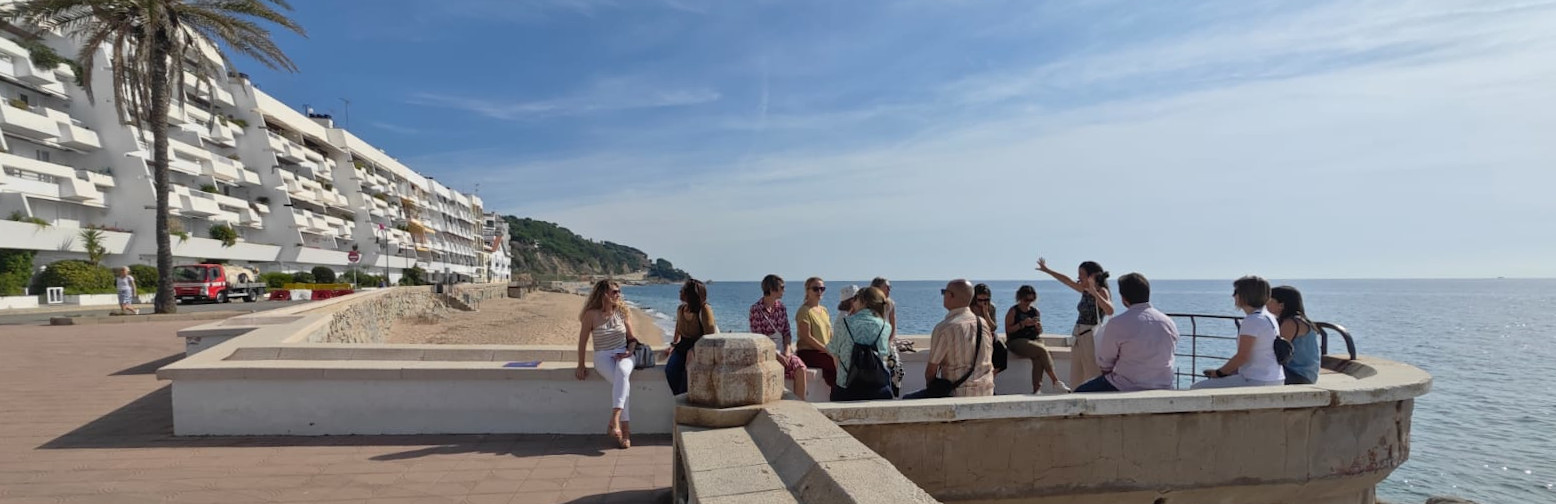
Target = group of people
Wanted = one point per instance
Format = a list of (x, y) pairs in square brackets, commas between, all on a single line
[(858, 356)]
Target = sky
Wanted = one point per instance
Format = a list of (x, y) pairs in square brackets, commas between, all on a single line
[(936, 139)]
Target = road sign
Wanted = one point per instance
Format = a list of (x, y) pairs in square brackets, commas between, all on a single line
[(353, 256)]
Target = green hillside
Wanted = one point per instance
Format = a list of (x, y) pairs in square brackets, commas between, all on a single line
[(547, 249)]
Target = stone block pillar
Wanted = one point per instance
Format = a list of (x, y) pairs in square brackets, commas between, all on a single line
[(734, 369), (729, 378)]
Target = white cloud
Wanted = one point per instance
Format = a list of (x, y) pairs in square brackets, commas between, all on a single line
[(605, 95), (1428, 161)]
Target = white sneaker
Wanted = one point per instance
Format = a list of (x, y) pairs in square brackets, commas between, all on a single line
[(1064, 387)]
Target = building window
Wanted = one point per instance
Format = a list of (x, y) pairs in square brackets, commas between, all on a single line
[(43, 155)]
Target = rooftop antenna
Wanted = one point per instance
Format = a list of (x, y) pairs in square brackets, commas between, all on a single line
[(345, 116)]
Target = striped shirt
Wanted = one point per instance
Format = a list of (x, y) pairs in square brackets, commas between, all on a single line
[(951, 346), (610, 333)]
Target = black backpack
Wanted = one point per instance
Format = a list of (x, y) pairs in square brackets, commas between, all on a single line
[(866, 369)]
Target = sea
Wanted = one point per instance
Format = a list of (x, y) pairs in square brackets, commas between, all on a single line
[(1486, 432)]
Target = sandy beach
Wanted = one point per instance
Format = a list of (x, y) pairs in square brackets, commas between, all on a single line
[(540, 318)]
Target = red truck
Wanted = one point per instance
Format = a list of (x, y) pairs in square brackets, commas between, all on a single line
[(216, 282)]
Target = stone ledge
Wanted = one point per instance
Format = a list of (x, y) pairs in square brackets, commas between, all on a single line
[(150, 317), (1366, 380)]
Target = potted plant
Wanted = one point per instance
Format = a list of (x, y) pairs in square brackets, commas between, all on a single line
[(225, 234)]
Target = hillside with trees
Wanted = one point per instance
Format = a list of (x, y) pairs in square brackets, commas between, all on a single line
[(546, 250)]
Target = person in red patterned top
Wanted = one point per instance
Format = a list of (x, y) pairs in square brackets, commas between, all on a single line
[(770, 317)]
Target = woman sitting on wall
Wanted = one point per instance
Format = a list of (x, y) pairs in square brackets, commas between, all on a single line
[(693, 320), (1286, 305), (605, 320)]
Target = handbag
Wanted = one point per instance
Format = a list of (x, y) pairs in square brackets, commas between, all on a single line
[(941, 387), (642, 354)]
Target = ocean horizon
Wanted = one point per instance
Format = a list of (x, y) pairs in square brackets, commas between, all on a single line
[(1474, 335)]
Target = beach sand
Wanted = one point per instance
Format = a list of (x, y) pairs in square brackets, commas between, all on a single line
[(539, 318)]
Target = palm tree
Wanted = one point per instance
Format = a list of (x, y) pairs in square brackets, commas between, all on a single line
[(148, 43)]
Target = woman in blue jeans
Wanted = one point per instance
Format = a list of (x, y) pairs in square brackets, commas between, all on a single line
[(693, 320)]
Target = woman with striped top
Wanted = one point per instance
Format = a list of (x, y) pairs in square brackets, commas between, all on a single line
[(605, 321)]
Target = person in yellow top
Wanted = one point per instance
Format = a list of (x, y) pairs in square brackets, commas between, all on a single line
[(813, 329)]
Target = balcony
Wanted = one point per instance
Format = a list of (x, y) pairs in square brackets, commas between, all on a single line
[(27, 123), (33, 74), (79, 191), (97, 179), (223, 169), (77, 137), (247, 176), (182, 165), (249, 217), (200, 204), (222, 134)]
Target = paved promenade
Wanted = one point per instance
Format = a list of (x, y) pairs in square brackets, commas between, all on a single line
[(83, 420)]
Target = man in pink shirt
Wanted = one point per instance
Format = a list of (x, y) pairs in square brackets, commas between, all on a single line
[(1135, 349)]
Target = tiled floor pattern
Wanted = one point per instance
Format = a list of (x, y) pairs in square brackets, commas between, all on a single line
[(83, 420)]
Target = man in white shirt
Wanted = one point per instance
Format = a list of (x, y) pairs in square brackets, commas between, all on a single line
[(1255, 363)]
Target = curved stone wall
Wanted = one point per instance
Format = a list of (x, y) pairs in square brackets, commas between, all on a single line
[(1329, 442)]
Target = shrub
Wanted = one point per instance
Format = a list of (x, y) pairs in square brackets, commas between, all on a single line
[(77, 277), (15, 271), (210, 188), (361, 278), (145, 277), (302, 277), (225, 234), (275, 279), (323, 274), (92, 241), (263, 200), (18, 216), (242, 123), (413, 276)]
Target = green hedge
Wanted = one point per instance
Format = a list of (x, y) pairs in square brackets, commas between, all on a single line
[(323, 274), (361, 278), (145, 277), (15, 271), (275, 279), (77, 277), (302, 277)]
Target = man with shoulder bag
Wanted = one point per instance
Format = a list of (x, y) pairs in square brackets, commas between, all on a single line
[(960, 349)]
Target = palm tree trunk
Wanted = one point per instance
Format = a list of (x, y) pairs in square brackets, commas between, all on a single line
[(160, 102)]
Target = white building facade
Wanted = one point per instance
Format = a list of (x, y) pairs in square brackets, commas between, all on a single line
[(295, 191)]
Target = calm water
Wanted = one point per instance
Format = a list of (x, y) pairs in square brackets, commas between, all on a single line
[(1486, 432)]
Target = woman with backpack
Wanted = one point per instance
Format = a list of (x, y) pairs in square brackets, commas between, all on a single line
[(861, 349)]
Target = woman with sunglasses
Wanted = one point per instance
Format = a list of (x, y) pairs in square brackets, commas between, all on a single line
[(1023, 336), (813, 330), (693, 320), (605, 320)]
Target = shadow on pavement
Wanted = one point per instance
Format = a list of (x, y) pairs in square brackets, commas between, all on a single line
[(147, 422), (149, 367), (655, 496)]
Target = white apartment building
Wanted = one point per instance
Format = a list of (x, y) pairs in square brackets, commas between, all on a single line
[(297, 191), (499, 252)]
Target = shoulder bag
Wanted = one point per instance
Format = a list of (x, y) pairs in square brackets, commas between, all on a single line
[(941, 387)]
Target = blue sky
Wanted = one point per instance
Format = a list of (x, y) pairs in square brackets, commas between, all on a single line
[(935, 139)]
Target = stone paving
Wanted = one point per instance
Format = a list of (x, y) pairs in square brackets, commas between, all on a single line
[(84, 420)]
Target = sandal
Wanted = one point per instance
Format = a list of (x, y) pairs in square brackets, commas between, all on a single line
[(626, 438), (614, 433)]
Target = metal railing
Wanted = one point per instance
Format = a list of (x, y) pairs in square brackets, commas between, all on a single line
[(1195, 353)]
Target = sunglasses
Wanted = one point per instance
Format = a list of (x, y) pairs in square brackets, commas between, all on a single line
[(983, 300), (819, 289), (944, 291), (615, 292)]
